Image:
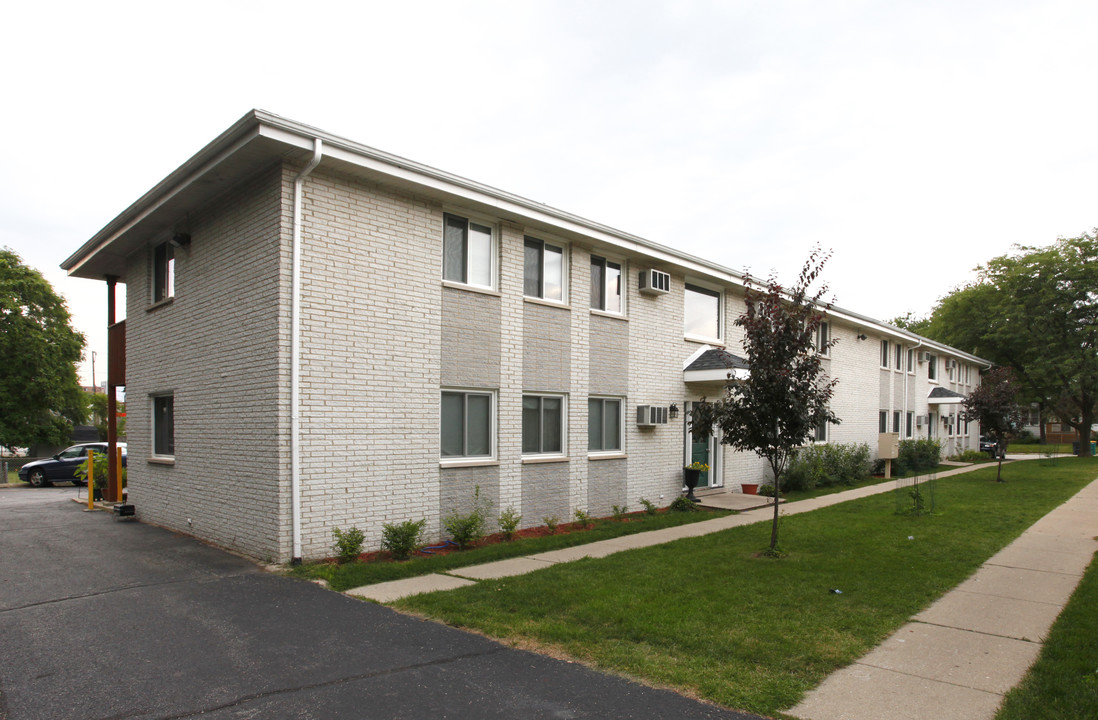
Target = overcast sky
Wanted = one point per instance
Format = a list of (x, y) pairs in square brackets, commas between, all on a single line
[(914, 139)]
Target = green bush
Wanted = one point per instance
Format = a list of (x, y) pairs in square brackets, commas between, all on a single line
[(620, 511), (583, 519), (551, 522), (828, 465), (683, 504), (466, 528), (100, 479), (649, 507), (348, 544), (971, 456), (509, 521), (402, 539), (766, 490), (917, 456)]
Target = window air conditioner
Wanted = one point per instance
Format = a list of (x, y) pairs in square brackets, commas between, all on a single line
[(920, 420), (651, 415), (654, 282), (924, 356)]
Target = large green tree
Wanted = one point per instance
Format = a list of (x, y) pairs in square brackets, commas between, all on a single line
[(1036, 312), (40, 396), (786, 396)]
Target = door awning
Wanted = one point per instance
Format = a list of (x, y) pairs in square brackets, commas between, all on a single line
[(714, 365), (941, 396)]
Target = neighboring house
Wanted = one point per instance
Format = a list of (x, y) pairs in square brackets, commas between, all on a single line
[(433, 335)]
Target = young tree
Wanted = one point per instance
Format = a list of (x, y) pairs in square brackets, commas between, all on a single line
[(786, 395), (40, 397), (98, 410), (994, 405)]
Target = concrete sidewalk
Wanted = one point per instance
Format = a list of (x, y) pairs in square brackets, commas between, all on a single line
[(753, 509), (957, 658)]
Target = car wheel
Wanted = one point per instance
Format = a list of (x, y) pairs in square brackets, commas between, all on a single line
[(37, 478)]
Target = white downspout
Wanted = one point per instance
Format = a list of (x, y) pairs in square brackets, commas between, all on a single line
[(295, 356), (907, 374)]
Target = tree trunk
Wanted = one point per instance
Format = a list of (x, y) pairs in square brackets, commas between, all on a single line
[(777, 493), (1083, 431), (999, 475)]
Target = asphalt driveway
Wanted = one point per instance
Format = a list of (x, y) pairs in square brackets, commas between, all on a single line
[(108, 619)]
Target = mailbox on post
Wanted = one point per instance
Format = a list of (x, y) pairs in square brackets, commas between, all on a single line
[(888, 449)]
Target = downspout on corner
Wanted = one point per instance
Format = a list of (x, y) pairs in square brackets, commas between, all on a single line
[(295, 354)]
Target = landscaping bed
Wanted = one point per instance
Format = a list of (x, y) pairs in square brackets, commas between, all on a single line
[(375, 567)]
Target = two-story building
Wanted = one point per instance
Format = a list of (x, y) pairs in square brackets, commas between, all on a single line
[(319, 334)]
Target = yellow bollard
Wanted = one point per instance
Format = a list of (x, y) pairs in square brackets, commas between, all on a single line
[(118, 466), (91, 478)]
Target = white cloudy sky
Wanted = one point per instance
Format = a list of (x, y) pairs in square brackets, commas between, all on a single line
[(915, 139)]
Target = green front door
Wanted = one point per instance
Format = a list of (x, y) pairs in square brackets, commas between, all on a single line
[(699, 452)]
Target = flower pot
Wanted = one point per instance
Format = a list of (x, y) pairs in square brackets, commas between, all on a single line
[(750, 488), (690, 479)]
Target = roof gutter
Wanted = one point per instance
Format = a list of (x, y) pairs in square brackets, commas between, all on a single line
[(295, 355)]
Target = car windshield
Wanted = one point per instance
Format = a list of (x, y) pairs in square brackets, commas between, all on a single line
[(74, 452)]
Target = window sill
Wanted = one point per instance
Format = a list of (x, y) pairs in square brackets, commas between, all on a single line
[(611, 315), (608, 456), (538, 460), (160, 303), (471, 288), (470, 462), (546, 303), (703, 340), (161, 461)]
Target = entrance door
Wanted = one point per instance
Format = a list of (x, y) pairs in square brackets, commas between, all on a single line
[(704, 451)]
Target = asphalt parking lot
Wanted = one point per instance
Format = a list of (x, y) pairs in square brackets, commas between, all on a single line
[(107, 619)]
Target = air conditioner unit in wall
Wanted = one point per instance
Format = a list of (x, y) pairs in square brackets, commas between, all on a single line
[(651, 415), (654, 282), (923, 356), (920, 420)]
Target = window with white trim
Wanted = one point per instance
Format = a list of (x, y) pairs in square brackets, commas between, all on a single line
[(823, 335), (604, 424), (468, 252), (163, 272), (899, 356), (911, 360), (820, 433), (910, 424), (467, 421), (544, 270), (543, 428), (605, 285), (702, 313), (884, 353), (882, 421), (932, 368), (895, 421), (163, 425)]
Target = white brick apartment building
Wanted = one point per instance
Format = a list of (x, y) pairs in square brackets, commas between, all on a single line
[(432, 335)]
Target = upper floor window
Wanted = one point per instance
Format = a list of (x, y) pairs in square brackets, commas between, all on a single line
[(544, 270), (932, 367), (466, 424), (542, 424), (605, 285), (823, 334), (899, 356), (703, 313), (910, 360), (163, 272), (604, 424), (468, 250), (884, 354)]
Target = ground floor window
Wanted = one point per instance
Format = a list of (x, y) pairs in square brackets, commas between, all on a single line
[(542, 424), (163, 415), (466, 424), (604, 424), (909, 423), (882, 421)]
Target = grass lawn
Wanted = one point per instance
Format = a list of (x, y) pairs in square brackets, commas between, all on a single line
[(710, 618), (794, 495), (1063, 683), (13, 476), (1032, 448), (343, 577)]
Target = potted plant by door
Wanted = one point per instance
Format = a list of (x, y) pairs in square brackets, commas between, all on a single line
[(691, 474), (750, 488)]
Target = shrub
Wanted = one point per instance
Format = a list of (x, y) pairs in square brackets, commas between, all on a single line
[(767, 490), (551, 522), (402, 539), (683, 504), (348, 544), (466, 528), (508, 522), (619, 512), (828, 465), (971, 456), (917, 456), (649, 507), (582, 518), (99, 482)]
